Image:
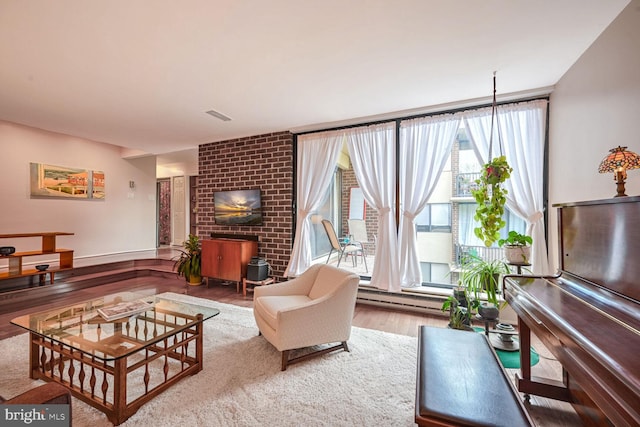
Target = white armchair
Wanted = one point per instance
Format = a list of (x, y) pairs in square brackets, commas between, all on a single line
[(312, 309)]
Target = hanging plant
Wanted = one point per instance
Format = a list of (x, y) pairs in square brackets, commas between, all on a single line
[(491, 197)]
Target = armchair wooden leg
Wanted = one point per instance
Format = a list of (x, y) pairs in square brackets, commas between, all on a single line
[(286, 361)]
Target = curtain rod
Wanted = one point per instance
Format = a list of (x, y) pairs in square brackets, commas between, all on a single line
[(449, 108)]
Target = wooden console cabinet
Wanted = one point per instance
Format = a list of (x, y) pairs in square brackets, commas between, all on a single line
[(65, 256), (227, 259)]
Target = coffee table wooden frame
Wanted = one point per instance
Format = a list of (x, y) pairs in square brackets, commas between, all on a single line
[(103, 383)]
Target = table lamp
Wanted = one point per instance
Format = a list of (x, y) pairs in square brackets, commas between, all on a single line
[(619, 161)]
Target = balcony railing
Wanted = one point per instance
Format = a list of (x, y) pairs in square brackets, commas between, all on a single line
[(465, 183), (483, 252)]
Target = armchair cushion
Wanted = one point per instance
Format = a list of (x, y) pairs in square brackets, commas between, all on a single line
[(270, 306)]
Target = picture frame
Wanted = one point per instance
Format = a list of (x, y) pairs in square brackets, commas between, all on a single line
[(61, 182)]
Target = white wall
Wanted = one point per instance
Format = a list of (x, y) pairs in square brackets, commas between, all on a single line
[(125, 221), (593, 108)]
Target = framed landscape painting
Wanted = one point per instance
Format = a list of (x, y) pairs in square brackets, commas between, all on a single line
[(49, 181)]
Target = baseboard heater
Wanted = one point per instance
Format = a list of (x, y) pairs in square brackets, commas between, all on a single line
[(423, 303)]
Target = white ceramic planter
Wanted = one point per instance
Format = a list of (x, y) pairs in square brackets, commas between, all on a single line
[(517, 254)]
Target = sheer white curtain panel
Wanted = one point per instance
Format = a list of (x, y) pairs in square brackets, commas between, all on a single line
[(425, 144), (522, 130), (372, 152), (316, 162)]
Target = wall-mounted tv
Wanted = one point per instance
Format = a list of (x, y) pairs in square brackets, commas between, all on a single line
[(237, 207)]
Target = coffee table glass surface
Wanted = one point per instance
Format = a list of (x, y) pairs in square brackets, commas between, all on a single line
[(82, 327)]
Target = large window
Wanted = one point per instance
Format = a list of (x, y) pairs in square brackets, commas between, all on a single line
[(337, 208), (443, 228), (455, 187)]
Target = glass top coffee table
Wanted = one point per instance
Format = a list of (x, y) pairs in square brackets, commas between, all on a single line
[(120, 364)]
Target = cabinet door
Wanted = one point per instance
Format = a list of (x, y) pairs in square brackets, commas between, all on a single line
[(229, 267), (210, 258)]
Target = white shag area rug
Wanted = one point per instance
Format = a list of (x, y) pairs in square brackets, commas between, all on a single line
[(242, 385)]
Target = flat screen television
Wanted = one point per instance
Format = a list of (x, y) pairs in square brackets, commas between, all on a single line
[(237, 207)]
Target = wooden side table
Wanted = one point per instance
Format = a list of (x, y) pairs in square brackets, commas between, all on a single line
[(245, 282)]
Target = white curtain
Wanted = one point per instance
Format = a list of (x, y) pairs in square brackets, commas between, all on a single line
[(372, 151), (522, 130), (317, 158), (425, 144)]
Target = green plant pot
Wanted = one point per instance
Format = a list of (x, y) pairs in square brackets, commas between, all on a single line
[(488, 311)]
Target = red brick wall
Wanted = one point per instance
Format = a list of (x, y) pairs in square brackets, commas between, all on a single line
[(370, 215), (264, 161)]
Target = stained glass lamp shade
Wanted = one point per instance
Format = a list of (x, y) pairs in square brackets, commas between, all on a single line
[(619, 161)]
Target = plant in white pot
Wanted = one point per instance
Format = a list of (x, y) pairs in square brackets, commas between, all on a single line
[(517, 248)]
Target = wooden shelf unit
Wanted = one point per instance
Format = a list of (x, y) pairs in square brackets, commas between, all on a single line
[(16, 269)]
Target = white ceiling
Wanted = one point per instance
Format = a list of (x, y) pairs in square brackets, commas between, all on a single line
[(142, 73)]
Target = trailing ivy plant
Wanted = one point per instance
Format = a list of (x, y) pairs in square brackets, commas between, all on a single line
[(491, 197)]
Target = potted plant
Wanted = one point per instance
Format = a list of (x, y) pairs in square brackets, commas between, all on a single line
[(460, 308), (480, 276), (517, 248), (491, 196), (188, 263)]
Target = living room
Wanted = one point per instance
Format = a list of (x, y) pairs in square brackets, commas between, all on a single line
[(592, 108)]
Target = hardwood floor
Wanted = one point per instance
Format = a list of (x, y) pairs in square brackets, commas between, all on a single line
[(545, 412)]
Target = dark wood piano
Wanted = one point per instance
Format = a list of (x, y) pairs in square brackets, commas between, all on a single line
[(588, 315)]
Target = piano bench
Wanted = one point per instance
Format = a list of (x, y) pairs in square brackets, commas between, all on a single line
[(460, 382)]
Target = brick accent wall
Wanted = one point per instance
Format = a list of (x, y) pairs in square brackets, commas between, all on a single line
[(370, 216), (262, 161)]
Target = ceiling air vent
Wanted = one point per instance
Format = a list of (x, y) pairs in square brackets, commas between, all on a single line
[(218, 115)]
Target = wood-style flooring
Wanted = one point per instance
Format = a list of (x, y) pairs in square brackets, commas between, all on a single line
[(545, 412)]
